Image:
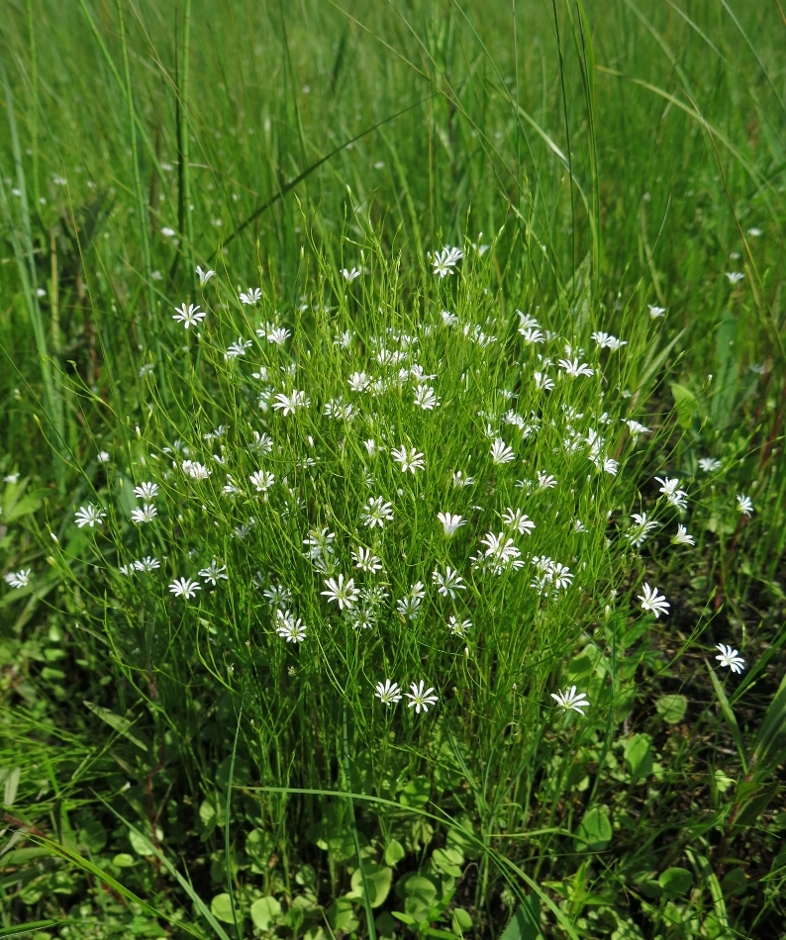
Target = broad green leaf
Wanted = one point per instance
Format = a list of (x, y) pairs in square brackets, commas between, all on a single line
[(221, 908), (264, 912), (771, 738), (685, 405), (676, 882), (378, 881), (394, 852), (638, 756), (416, 793), (525, 924), (594, 833), (671, 708), (448, 861), (141, 843)]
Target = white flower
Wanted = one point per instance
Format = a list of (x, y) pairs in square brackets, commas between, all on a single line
[(446, 260), (653, 602), (89, 515), (388, 692), (542, 381), (745, 505), (341, 592), (734, 276), (574, 368), (350, 276), (289, 627), (426, 398), (420, 697), (635, 428), (146, 514), (449, 582), (639, 533), (458, 627), (103, 457), (279, 335), (501, 452), (195, 470), (450, 523), (289, 404), (189, 316), (460, 480), (709, 464), (147, 564), (11, 478), (365, 561), (359, 381), (656, 312), (252, 296), (683, 537), (527, 322), (18, 579), (214, 573), (377, 512), (730, 658), (607, 341), (262, 480), (237, 349), (410, 460), (532, 336), (518, 520), (184, 587), (146, 491), (676, 497), (571, 699), (545, 480), (204, 276)]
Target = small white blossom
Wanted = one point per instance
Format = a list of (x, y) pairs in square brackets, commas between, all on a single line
[(501, 452), (571, 699), (350, 276), (446, 260), (653, 602), (730, 658), (146, 491), (146, 513), (262, 480), (365, 561), (683, 537), (388, 692), (214, 573), (251, 296), (656, 312), (18, 579), (709, 464), (89, 515), (450, 523), (734, 276), (189, 316), (420, 697), (409, 459), (184, 587), (289, 627), (745, 505), (449, 582), (343, 592), (288, 404), (377, 512), (204, 276)]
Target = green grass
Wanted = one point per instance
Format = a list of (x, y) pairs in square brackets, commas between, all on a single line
[(218, 765)]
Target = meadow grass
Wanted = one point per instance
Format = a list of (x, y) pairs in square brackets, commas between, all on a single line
[(393, 491)]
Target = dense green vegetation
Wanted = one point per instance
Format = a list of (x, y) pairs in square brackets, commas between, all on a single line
[(393, 504)]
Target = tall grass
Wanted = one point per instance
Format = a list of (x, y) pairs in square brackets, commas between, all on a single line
[(184, 601)]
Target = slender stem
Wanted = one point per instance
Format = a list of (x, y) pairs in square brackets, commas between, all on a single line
[(141, 210), (186, 220)]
